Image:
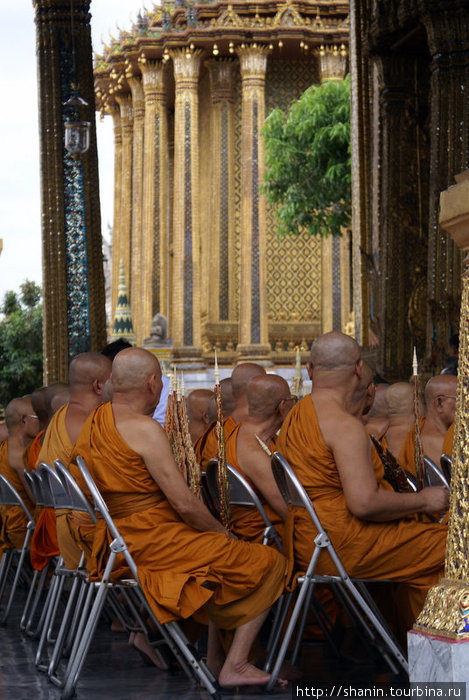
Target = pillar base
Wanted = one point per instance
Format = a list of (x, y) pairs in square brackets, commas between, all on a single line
[(433, 658), (258, 353), (188, 357)]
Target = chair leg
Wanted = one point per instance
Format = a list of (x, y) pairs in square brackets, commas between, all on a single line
[(279, 622), (13, 588), (68, 624), (288, 633)]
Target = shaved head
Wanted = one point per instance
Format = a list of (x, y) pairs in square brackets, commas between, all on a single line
[(242, 374), (197, 403), (132, 368), (264, 394), (363, 396), (441, 385), (57, 395), (334, 351), (88, 367), (227, 400), (197, 412), (400, 399), (16, 409), (40, 405), (380, 405)]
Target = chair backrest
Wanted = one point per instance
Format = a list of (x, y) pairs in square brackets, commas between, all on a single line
[(76, 498), (241, 494), (446, 464), (291, 488), (33, 486), (9, 496), (56, 487), (433, 475), (118, 544)]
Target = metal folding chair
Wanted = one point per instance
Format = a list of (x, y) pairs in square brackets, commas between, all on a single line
[(433, 475), (241, 494), (9, 496), (43, 497), (352, 592), (66, 495), (171, 634), (446, 464)]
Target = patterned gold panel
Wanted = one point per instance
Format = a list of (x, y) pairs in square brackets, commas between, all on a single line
[(293, 264)]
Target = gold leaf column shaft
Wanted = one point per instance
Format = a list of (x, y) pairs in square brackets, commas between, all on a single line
[(155, 195), (136, 249), (116, 227), (186, 263), (125, 232), (222, 188), (253, 334)]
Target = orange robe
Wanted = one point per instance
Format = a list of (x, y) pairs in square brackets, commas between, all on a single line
[(404, 550), (13, 521), (33, 449), (52, 534), (245, 521), (206, 447), (180, 568), (407, 454)]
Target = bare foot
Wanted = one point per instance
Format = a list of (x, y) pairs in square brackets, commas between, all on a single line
[(147, 652), (233, 675)]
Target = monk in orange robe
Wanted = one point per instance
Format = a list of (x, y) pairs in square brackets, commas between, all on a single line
[(269, 400), (330, 452), (399, 399), (206, 446), (22, 426), (186, 560), (62, 532), (440, 402), (197, 412)]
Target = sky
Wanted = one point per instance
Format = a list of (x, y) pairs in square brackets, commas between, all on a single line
[(20, 208)]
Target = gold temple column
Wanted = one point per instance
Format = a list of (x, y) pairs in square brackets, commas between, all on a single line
[(73, 279), (155, 195), (222, 210), (116, 226), (125, 223), (445, 609), (253, 333), (136, 259), (185, 329)]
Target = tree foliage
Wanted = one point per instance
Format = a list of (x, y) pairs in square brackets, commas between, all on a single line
[(308, 173), (20, 343)]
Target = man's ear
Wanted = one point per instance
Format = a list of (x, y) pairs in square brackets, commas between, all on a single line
[(98, 387), (309, 369), (152, 383), (359, 368)]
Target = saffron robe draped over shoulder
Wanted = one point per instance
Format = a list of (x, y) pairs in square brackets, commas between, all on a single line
[(408, 448), (52, 536), (245, 521), (206, 447), (12, 518), (180, 568), (402, 550)]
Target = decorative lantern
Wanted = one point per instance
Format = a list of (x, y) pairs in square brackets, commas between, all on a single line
[(77, 129)]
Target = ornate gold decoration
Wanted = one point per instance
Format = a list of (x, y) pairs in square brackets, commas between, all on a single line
[(442, 613), (333, 62), (288, 16)]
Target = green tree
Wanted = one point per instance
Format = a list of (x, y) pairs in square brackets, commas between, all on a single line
[(308, 173), (20, 343)]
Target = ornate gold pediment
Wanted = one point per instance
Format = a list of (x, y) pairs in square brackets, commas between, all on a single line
[(288, 16)]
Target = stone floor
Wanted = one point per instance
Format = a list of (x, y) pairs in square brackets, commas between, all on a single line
[(114, 670)]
